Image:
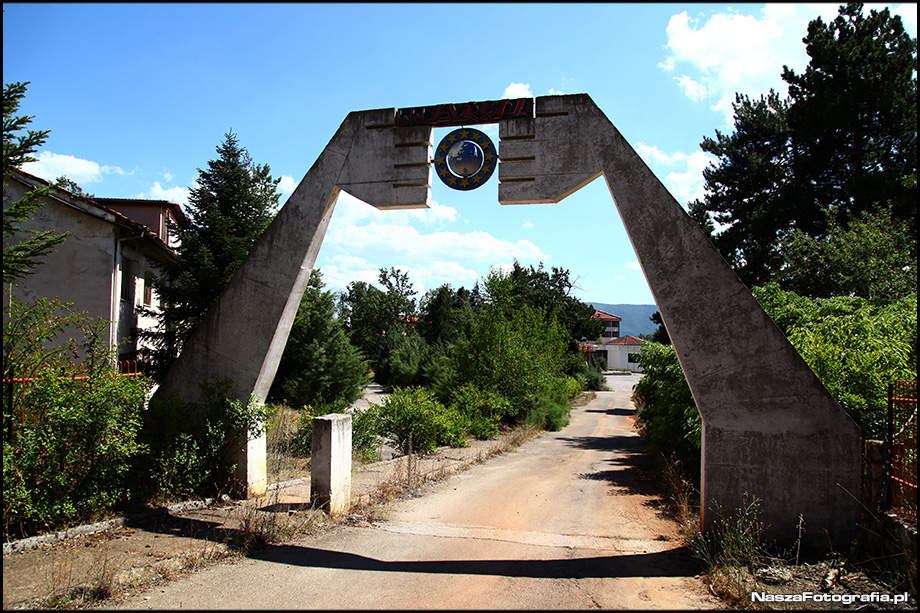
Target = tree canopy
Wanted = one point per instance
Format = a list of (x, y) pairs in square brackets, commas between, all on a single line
[(840, 149)]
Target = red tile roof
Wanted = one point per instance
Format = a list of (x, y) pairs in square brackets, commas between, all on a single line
[(624, 340), (605, 316)]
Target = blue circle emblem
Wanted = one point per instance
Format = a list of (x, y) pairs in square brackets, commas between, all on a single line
[(465, 159)]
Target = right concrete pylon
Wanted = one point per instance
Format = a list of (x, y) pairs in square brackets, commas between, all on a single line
[(771, 431)]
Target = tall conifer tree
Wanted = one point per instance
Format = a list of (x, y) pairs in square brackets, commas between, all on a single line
[(229, 209)]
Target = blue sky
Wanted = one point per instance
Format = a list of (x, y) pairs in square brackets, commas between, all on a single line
[(138, 96)]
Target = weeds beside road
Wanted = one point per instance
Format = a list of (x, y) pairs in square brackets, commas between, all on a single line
[(93, 569)]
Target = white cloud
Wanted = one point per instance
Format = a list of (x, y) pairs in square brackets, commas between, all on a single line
[(620, 278), (173, 194), (555, 92), (694, 90), (286, 186), (50, 166), (518, 90), (168, 177), (689, 185), (361, 240), (726, 53), (526, 224), (350, 210), (686, 184), (633, 266), (651, 154)]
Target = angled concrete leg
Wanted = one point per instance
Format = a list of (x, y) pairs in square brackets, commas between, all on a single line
[(770, 428), (244, 334)]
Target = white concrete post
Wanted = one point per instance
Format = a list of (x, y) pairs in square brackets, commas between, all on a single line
[(330, 463)]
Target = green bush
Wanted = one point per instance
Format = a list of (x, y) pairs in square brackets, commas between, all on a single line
[(667, 415), (551, 413), (412, 418), (364, 431), (482, 410), (571, 386), (68, 443), (514, 353), (192, 446), (854, 347)]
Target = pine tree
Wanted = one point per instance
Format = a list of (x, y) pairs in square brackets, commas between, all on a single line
[(319, 364), (229, 209), (19, 257)]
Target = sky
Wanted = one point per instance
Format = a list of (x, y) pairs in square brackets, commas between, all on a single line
[(138, 97)]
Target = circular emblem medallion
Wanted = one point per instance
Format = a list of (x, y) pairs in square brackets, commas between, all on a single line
[(465, 159)]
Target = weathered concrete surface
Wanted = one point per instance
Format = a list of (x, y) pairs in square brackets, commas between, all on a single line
[(330, 468), (770, 428), (244, 334)]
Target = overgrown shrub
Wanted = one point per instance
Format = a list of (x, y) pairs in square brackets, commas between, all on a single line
[(667, 416), (854, 347), (365, 428), (515, 353), (571, 386), (68, 442), (413, 419), (551, 413), (482, 409), (192, 446)]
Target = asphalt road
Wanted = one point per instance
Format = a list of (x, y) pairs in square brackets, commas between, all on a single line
[(568, 520)]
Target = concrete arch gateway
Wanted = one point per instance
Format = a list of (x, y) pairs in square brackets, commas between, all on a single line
[(770, 428)]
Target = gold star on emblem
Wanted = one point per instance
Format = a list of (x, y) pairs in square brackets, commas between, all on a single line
[(453, 180), (489, 157), (465, 183), (443, 172), (452, 138), (463, 133)]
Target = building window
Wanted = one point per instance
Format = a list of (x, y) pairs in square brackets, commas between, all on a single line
[(148, 287)]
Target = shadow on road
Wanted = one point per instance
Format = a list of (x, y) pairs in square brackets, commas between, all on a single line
[(671, 563), (620, 412)]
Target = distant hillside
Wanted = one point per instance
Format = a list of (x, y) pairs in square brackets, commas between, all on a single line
[(635, 316)]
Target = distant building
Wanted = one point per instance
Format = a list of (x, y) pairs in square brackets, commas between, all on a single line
[(106, 266), (620, 352), (611, 324)]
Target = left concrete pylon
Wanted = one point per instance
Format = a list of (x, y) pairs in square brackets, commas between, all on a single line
[(243, 335)]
